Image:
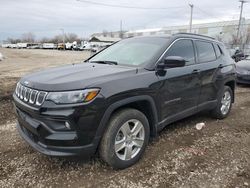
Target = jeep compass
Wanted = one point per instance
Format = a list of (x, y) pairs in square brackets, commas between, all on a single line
[(117, 99)]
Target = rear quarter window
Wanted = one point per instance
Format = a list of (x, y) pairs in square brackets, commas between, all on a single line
[(218, 50), (205, 51)]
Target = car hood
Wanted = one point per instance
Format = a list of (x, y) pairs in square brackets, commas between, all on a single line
[(78, 76), (244, 64)]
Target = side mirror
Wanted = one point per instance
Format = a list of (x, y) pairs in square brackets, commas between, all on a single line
[(172, 62)]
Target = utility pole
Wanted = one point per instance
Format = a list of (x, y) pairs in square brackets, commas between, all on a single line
[(121, 32), (191, 18), (241, 10), (63, 38)]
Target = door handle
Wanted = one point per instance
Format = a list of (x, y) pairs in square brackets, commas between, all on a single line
[(196, 71)]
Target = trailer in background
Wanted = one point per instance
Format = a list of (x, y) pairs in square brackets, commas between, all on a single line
[(34, 46), (49, 46), (21, 45)]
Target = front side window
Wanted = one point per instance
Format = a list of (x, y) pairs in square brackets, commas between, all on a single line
[(183, 48), (205, 51)]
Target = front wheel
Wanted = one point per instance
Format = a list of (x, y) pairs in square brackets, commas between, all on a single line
[(224, 104), (125, 139)]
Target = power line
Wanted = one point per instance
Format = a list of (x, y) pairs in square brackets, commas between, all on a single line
[(127, 7), (209, 14)]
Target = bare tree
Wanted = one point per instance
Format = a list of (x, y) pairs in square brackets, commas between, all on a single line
[(71, 37), (44, 40), (28, 37), (13, 41), (234, 41), (57, 39)]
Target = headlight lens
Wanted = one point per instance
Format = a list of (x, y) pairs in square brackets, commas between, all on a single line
[(71, 97)]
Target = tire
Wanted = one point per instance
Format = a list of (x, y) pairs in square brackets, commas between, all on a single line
[(218, 112), (120, 124)]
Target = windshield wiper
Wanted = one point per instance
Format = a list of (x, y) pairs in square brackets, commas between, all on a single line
[(105, 62)]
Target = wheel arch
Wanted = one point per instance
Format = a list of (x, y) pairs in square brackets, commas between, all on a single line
[(231, 84), (144, 103)]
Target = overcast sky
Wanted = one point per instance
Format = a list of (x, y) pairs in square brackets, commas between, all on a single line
[(45, 17)]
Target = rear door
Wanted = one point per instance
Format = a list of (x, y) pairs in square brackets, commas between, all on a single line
[(209, 64), (180, 86)]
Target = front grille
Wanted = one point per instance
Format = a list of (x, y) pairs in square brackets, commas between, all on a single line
[(29, 95)]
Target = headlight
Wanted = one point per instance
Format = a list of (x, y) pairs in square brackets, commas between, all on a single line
[(70, 97)]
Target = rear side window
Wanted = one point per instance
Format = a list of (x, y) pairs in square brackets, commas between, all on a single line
[(217, 50), (205, 51), (183, 48)]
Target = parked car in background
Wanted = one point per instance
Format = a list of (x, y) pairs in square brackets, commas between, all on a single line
[(68, 46), (87, 46), (123, 95), (61, 46), (243, 71), (238, 55)]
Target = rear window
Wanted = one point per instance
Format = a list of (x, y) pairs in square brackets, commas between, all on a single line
[(205, 51)]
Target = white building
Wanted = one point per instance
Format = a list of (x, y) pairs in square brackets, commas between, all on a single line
[(225, 31)]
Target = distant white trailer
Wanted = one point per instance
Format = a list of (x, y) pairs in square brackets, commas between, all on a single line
[(22, 45), (6, 45), (13, 45), (49, 46)]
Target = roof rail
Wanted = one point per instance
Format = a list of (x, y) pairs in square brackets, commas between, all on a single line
[(195, 35)]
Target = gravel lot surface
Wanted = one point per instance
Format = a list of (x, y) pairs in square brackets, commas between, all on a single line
[(218, 155)]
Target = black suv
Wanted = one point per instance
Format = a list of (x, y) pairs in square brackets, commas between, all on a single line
[(120, 97)]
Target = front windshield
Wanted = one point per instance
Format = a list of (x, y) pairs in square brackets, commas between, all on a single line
[(133, 51)]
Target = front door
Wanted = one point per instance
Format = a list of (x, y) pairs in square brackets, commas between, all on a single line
[(180, 88)]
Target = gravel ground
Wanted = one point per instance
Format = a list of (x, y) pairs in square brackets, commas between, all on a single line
[(182, 156)]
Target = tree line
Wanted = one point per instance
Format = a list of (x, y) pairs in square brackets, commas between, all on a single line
[(31, 38)]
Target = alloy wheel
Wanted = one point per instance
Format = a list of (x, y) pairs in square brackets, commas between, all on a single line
[(226, 103), (129, 139)]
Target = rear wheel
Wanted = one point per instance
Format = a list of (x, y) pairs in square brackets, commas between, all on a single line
[(125, 139), (224, 105)]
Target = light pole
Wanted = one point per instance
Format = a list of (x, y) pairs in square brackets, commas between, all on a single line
[(191, 18), (121, 32), (63, 38), (241, 10)]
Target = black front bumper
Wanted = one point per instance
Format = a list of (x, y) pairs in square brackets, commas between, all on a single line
[(44, 129), (87, 150)]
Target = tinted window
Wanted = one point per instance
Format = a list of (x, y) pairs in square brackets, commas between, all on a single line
[(217, 50), (182, 48), (205, 51)]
